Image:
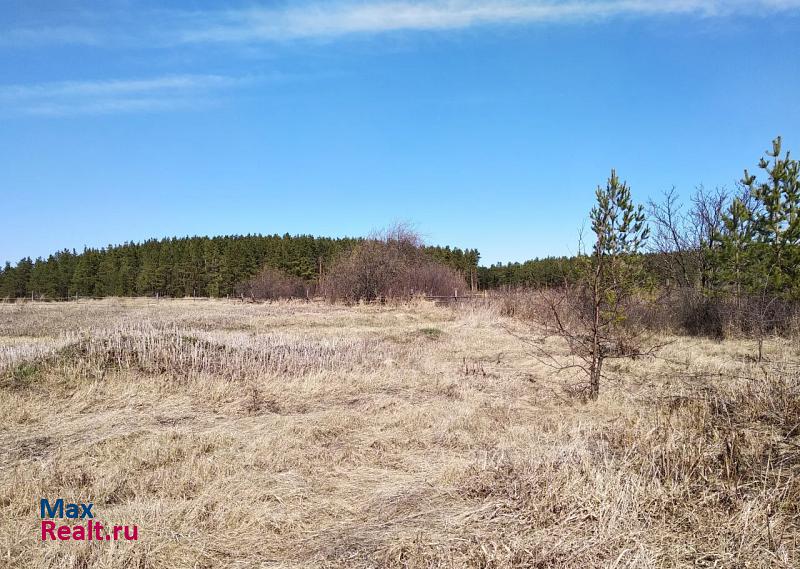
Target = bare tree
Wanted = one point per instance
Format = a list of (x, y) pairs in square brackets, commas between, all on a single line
[(683, 239), (707, 212), (673, 240)]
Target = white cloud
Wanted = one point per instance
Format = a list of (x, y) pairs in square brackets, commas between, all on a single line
[(308, 20), (116, 87), (342, 18), (335, 18), (36, 36), (115, 96), (110, 106)]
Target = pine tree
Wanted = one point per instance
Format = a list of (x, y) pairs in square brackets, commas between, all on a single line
[(733, 255), (22, 276), (65, 269), (777, 218), (7, 281), (43, 282), (592, 315), (108, 281), (84, 279)]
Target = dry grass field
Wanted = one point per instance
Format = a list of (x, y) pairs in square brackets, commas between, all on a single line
[(311, 435)]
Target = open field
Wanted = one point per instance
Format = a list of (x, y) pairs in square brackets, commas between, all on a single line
[(309, 435)]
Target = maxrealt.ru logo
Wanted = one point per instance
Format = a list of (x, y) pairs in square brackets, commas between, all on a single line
[(89, 531)]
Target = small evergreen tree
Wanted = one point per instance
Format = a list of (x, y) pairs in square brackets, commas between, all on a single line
[(613, 272), (732, 254), (592, 315), (6, 281), (22, 276), (776, 220)]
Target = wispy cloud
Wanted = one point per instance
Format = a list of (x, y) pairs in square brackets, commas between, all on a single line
[(48, 35), (335, 18), (332, 19), (116, 96)]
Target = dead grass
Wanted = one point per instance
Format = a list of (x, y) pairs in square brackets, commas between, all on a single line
[(298, 435)]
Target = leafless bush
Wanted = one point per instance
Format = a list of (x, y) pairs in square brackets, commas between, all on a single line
[(684, 311), (689, 311), (389, 265), (683, 236), (272, 284)]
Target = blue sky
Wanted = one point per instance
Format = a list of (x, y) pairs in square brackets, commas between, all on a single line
[(486, 124)]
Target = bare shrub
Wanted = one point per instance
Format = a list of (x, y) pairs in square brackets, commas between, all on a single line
[(389, 265), (690, 311), (694, 313), (272, 284)]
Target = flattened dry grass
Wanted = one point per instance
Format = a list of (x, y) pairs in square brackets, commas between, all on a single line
[(297, 435)]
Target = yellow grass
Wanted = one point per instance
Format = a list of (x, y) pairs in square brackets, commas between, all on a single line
[(309, 435)]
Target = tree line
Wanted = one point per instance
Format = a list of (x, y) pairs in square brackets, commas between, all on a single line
[(722, 243), (189, 266), (536, 273)]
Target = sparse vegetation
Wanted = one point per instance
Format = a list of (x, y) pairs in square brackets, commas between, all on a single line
[(298, 434)]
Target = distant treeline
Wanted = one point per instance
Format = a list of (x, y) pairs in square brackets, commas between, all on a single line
[(550, 271), (189, 266), (215, 266), (555, 271)]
